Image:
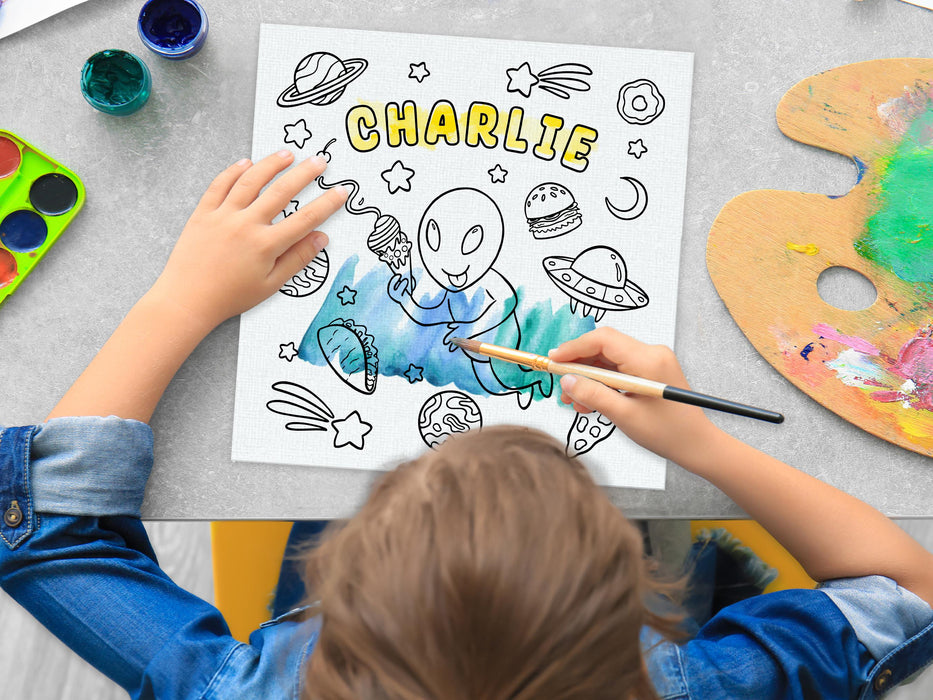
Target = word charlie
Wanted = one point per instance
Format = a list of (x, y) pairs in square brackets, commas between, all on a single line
[(483, 123)]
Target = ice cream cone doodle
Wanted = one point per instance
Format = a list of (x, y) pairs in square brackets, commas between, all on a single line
[(387, 240)]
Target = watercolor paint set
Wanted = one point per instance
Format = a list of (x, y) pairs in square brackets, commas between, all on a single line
[(38, 199)]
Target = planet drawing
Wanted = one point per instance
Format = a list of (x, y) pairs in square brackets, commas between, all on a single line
[(447, 413), (309, 279), (597, 280), (320, 79)]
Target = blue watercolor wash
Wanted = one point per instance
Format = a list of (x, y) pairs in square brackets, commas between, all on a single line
[(400, 342)]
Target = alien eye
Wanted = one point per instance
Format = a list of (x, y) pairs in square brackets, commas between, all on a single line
[(433, 235), (472, 240)]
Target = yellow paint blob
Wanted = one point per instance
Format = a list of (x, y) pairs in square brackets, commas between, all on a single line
[(806, 248)]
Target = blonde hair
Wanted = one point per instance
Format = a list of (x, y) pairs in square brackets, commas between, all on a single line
[(493, 568)]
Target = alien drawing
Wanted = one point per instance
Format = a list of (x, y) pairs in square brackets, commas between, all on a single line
[(459, 239)]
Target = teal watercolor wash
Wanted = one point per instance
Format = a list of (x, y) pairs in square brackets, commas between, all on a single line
[(899, 235), (401, 342), (116, 82)]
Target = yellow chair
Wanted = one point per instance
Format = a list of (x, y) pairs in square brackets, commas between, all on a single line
[(247, 557), (756, 538)]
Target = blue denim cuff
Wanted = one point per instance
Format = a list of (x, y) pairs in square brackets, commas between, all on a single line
[(90, 465), (883, 614)]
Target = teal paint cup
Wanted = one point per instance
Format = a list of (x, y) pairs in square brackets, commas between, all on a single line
[(116, 82)]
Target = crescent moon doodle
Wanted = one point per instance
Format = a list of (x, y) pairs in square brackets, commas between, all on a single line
[(637, 209)]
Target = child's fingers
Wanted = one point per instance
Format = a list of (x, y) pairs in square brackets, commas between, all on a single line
[(288, 232), (595, 396), (297, 257), (286, 188), (250, 183), (617, 348), (218, 190)]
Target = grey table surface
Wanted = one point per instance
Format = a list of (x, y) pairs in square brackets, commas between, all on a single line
[(144, 173)]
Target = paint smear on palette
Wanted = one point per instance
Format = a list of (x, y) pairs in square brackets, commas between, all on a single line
[(898, 236), (401, 343)]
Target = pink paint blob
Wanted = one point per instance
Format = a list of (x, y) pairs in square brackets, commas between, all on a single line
[(830, 333)]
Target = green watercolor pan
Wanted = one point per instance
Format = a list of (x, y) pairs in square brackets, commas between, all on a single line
[(38, 199)]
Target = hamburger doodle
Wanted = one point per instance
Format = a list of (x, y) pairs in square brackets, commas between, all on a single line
[(640, 102), (596, 282), (315, 416), (637, 209), (557, 80), (320, 79), (551, 211)]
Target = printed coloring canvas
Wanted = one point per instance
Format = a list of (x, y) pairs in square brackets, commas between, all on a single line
[(514, 193)]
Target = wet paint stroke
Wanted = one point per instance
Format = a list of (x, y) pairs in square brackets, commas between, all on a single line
[(403, 343), (898, 235)]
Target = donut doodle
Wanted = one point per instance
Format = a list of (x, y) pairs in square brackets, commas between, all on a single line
[(309, 279), (640, 102), (587, 431)]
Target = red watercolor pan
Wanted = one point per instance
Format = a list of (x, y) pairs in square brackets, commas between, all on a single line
[(38, 199)]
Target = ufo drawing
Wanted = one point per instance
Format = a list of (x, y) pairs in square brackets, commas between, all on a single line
[(596, 280), (320, 79)]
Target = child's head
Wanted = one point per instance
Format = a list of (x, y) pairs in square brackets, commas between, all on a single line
[(491, 568)]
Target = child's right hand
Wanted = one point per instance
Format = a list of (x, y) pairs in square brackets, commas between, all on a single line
[(673, 430)]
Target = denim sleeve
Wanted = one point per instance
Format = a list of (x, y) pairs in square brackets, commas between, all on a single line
[(883, 614), (75, 556)]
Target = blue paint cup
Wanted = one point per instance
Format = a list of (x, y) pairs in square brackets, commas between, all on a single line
[(174, 29)]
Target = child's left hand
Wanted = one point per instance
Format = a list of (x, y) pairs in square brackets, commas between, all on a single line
[(229, 256)]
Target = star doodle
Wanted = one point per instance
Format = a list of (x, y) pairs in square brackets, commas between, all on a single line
[(637, 148), (297, 133), (497, 174), (418, 71), (398, 177), (287, 351), (351, 431), (347, 296), (413, 373), (521, 79), (291, 208)]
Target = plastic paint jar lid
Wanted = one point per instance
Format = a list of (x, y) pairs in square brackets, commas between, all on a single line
[(116, 82), (10, 157), (174, 29)]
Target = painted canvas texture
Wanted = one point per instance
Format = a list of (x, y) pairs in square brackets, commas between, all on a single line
[(872, 366), (514, 193)]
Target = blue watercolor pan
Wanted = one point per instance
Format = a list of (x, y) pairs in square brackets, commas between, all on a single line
[(38, 199)]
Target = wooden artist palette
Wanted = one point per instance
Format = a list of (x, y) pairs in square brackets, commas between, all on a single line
[(766, 249), (38, 199)]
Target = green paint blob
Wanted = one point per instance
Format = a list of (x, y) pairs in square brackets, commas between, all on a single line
[(116, 82), (899, 235)]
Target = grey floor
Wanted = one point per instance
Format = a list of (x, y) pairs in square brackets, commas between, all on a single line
[(36, 666)]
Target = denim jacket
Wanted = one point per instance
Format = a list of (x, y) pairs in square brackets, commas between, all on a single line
[(75, 555)]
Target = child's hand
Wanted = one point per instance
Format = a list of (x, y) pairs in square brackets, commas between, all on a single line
[(229, 256), (673, 430)]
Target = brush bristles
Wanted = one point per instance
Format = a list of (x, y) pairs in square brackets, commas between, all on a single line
[(466, 344)]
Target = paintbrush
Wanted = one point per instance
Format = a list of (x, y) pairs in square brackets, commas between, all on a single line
[(616, 380)]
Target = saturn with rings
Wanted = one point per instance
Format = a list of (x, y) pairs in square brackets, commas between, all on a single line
[(320, 79)]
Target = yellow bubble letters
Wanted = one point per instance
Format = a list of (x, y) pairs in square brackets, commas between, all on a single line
[(482, 124)]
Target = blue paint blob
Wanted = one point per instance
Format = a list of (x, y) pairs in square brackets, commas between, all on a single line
[(174, 29), (860, 168), (805, 353), (23, 231)]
